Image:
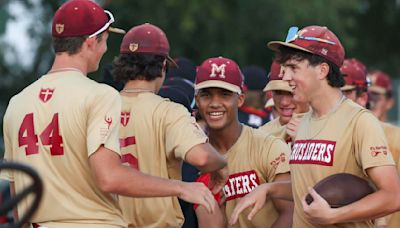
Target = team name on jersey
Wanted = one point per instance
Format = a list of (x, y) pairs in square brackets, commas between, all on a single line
[(318, 152), (240, 184)]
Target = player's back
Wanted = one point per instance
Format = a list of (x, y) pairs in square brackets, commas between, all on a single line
[(55, 124), (155, 136)]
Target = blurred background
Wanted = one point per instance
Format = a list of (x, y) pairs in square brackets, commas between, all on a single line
[(198, 29)]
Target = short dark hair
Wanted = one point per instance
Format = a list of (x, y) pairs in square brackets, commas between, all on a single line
[(335, 78), (71, 45), (137, 67)]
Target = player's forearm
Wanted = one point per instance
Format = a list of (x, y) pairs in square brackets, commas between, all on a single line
[(214, 162), (208, 220), (205, 158), (285, 220), (131, 182), (280, 190), (373, 206)]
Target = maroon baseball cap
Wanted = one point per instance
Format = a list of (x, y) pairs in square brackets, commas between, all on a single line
[(380, 82), (355, 74), (275, 79), (318, 40), (221, 73), (146, 39), (82, 18)]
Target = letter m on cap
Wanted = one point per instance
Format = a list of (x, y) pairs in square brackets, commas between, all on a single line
[(217, 70)]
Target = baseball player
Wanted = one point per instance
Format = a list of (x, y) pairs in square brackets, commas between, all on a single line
[(253, 156), (289, 112), (157, 134), (66, 125), (336, 136), (380, 94)]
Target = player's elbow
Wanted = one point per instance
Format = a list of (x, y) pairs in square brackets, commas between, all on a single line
[(209, 162), (107, 183)]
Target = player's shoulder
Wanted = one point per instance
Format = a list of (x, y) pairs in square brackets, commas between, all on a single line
[(270, 126), (167, 105), (390, 128), (260, 136), (26, 92)]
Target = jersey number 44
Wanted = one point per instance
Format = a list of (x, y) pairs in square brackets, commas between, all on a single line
[(49, 137)]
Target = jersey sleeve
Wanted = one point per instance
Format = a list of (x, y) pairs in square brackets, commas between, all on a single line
[(371, 148), (104, 108), (275, 158), (182, 132), (7, 174)]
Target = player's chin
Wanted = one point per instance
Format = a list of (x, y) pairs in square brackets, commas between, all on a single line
[(216, 125)]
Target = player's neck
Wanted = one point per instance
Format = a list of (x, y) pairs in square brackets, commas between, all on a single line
[(224, 139), (135, 87), (326, 102), (64, 62)]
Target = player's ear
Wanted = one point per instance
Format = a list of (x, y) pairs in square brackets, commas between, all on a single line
[(362, 99), (323, 70), (241, 100)]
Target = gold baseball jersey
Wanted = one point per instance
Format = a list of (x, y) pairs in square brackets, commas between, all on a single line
[(54, 125), (254, 159), (349, 140), (155, 136), (393, 137), (275, 128)]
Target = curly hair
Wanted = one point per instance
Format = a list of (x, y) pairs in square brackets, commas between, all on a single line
[(137, 67), (335, 78)]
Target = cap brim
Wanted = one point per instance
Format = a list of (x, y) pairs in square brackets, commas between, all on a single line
[(218, 84), (278, 85), (377, 89), (347, 87), (274, 45), (116, 30), (172, 61)]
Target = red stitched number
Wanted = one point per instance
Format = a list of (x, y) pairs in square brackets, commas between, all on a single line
[(27, 136), (49, 137)]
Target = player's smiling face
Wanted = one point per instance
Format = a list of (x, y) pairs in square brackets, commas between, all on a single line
[(218, 107), (302, 78), (284, 105)]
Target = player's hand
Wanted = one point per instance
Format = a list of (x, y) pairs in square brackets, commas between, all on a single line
[(292, 126), (218, 179), (198, 193), (256, 199), (319, 211)]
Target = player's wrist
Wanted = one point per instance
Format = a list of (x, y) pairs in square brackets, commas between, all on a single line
[(179, 188)]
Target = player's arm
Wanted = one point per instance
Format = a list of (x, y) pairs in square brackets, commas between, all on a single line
[(212, 220), (204, 157), (258, 197), (284, 207), (113, 177), (384, 201)]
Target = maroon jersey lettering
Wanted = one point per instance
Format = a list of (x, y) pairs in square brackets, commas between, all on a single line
[(240, 184), (319, 152)]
